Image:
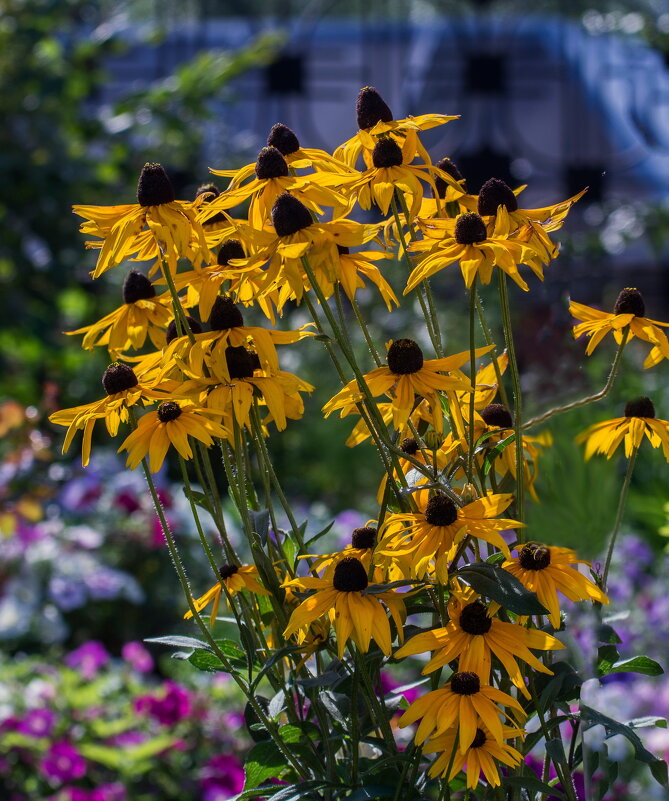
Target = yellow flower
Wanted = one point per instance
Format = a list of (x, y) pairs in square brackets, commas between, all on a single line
[(479, 757), (546, 569), (473, 636), (284, 139), (407, 374), (142, 313), (354, 613), (639, 421), (235, 578), (173, 231), (123, 391), (375, 119), (451, 192), (392, 169), (464, 700), (629, 311), (171, 424), (467, 240), (363, 541), (348, 269), (439, 526), (273, 179)]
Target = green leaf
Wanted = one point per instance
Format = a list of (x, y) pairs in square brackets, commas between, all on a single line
[(293, 734), (198, 498), (275, 656), (179, 642), (637, 664), (564, 685), (499, 585), (658, 767), (372, 791), (533, 784), (208, 660), (493, 453), (296, 791), (260, 522), (264, 761), (606, 633), (648, 720), (316, 537)]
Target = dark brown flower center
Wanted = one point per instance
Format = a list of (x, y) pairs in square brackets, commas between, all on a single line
[(495, 193), (534, 556), (283, 139), (465, 683), (447, 166), (404, 357), (387, 153), (225, 314), (230, 249), (469, 229), (289, 215), (350, 575), (440, 510), (154, 188), (343, 250), (271, 164), (409, 445), (630, 301), (210, 192), (172, 333), (479, 739), (168, 411), (363, 537), (474, 619), (371, 108), (640, 407), (497, 415), (225, 571), (117, 378), (240, 361), (137, 287)]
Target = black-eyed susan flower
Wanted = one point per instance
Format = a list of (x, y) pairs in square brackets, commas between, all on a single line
[(286, 142), (273, 178), (639, 422), (142, 313), (496, 197), (479, 758), (123, 391), (354, 614), (628, 313), (361, 547), (406, 375), (473, 635), (375, 119), (433, 532), (157, 225), (447, 192), (547, 570), (392, 169), (171, 424), (466, 701), (235, 578), (350, 270), (467, 240)]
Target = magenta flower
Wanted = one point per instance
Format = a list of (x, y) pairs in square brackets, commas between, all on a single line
[(88, 658), (136, 655), (221, 778), (169, 707), (37, 723), (63, 763)]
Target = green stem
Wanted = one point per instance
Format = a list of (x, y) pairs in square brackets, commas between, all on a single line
[(589, 398), (196, 518), (434, 335), (619, 516), (489, 341), (179, 315), (365, 332), (517, 399), (204, 629), (378, 711), (472, 372)]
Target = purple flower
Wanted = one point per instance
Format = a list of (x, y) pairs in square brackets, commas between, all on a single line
[(172, 705), (136, 655), (37, 723), (221, 778), (88, 658), (63, 763), (66, 593)]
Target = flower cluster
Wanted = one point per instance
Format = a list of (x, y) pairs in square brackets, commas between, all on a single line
[(449, 539)]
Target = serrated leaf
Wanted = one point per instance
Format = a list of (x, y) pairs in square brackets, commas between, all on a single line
[(658, 767), (499, 585), (337, 704), (264, 761), (208, 660)]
